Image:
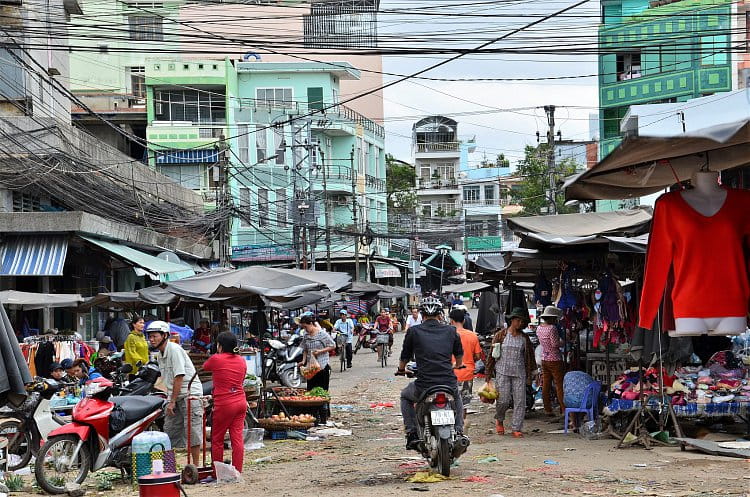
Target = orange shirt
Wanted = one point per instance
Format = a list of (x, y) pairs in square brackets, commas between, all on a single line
[(470, 344)]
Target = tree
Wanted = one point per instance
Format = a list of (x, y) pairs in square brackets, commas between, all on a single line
[(532, 191), (400, 185), (500, 161)]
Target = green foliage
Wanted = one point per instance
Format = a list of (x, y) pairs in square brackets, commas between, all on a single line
[(14, 482), (104, 480), (400, 183), (500, 161), (532, 191)]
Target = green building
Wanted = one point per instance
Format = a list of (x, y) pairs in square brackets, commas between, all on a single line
[(659, 51), (298, 161)]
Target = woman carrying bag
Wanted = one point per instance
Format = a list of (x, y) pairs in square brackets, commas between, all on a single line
[(512, 364)]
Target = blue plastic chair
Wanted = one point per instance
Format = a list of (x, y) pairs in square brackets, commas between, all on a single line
[(589, 403)]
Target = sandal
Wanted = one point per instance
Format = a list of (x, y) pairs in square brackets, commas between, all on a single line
[(499, 428), (517, 434)]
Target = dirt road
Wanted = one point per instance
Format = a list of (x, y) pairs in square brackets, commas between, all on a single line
[(373, 461)]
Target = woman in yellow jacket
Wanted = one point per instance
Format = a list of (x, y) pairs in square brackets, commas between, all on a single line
[(136, 346)]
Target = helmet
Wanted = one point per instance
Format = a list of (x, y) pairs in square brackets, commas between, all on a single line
[(431, 306), (158, 327)]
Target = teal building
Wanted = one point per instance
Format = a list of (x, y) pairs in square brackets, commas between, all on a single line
[(299, 162)]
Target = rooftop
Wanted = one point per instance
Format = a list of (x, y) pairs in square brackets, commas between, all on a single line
[(342, 70)]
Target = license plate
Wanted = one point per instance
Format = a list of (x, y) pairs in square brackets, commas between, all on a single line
[(443, 417)]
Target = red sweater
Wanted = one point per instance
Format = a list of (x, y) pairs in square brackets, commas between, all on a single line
[(706, 255)]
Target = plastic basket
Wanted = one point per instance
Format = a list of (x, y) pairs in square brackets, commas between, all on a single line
[(383, 338), (278, 435), (143, 462)]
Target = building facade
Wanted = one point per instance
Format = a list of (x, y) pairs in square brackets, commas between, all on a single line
[(658, 52), (305, 173)]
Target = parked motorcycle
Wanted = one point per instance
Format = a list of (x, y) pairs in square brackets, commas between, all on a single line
[(99, 436), (143, 383), (436, 417), (282, 361), (27, 427)]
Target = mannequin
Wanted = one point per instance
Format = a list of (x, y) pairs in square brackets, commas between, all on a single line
[(707, 198), (698, 237)]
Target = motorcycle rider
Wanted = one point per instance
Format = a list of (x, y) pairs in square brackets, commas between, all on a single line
[(433, 345), (177, 370)]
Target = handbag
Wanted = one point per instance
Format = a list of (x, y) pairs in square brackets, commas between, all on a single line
[(497, 351)]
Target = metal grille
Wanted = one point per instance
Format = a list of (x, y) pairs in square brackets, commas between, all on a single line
[(341, 24)]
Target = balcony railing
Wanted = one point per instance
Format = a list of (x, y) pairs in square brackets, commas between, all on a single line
[(437, 147), (436, 184), (488, 202), (338, 173), (376, 183), (322, 112)]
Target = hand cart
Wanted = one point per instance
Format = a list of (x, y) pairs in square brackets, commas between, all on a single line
[(192, 473)]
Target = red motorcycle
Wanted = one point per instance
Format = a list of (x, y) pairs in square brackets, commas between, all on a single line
[(99, 436), (366, 337)]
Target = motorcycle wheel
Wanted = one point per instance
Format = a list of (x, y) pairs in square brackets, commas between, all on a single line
[(291, 378), (19, 442), (444, 457), (52, 469)]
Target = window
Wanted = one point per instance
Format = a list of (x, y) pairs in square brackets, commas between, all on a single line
[(41, 89), (426, 209), (243, 139), (315, 160), (190, 176), (315, 98), (260, 143), (146, 28), (489, 194), (424, 173), (714, 50), (471, 194), (628, 65), (274, 97), (612, 118), (447, 172), (25, 202), (138, 81), (262, 207), (279, 144), (190, 105), (281, 207), (244, 207)]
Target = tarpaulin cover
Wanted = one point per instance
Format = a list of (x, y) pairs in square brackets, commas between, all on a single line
[(466, 287), (29, 301), (584, 224), (14, 372)]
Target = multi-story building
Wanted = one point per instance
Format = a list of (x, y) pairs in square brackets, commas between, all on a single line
[(295, 158), (660, 51), (109, 76)]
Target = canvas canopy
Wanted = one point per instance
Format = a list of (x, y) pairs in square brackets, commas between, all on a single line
[(29, 301)]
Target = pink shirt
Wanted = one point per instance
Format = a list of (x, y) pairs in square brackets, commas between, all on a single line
[(549, 339)]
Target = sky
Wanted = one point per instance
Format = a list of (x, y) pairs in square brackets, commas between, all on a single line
[(496, 131)]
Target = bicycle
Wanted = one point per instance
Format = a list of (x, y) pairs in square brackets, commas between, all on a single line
[(341, 351), (382, 345)]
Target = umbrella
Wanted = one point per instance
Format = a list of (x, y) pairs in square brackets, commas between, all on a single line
[(29, 301), (642, 165), (14, 372), (247, 286)]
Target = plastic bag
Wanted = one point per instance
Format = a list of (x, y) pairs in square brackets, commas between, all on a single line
[(226, 473), (311, 369), (591, 430), (488, 394), (253, 438)]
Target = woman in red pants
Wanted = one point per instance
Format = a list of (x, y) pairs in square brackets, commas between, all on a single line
[(230, 406)]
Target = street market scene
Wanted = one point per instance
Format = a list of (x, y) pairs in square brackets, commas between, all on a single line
[(296, 247)]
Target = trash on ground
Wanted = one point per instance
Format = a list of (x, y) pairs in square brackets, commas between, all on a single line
[(551, 462), (427, 477), (477, 479), (488, 460)]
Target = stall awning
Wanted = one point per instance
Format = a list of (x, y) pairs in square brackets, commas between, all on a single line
[(584, 224), (30, 301), (161, 269), (33, 255), (453, 255), (385, 270)]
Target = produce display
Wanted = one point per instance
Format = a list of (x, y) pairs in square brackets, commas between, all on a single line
[(300, 418), (317, 394)]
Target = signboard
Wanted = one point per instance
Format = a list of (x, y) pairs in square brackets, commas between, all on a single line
[(386, 271), (597, 366), (484, 243), (261, 253)]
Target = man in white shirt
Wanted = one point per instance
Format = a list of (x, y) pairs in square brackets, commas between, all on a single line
[(177, 370), (414, 319), (345, 326)]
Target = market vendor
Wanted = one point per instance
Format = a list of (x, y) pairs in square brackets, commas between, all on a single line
[(177, 371), (201, 342), (80, 371), (317, 345), (136, 347), (553, 367)]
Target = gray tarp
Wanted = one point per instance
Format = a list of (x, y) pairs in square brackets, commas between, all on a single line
[(637, 244), (584, 224), (29, 301), (140, 299), (246, 286), (642, 165), (493, 263), (466, 287), (14, 372)]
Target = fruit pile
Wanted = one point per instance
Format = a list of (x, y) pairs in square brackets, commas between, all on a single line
[(300, 418)]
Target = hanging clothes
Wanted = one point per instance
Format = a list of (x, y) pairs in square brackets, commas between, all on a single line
[(543, 290), (45, 356)]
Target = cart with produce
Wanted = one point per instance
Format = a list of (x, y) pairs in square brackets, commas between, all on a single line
[(297, 401)]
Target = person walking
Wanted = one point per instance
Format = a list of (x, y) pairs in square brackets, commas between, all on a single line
[(316, 344), (553, 368), (228, 372), (345, 326), (136, 346), (512, 364)]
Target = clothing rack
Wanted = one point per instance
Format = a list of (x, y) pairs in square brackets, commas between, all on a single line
[(50, 338)]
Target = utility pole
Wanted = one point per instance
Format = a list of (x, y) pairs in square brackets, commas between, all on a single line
[(355, 208), (550, 111), (222, 201), (326, 211)]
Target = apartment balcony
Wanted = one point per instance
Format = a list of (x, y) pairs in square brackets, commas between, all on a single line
[(437, 149), (375, 183), (338, 180), (184, 134), (338, 120), (485, 207), (438, 187)]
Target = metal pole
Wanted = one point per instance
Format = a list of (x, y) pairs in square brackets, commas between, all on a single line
[(550, 110), (326, 212), (442, 270), (222, 201), (355, 208)]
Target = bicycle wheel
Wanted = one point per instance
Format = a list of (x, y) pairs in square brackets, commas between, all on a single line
[(383, 355), (342, 358)]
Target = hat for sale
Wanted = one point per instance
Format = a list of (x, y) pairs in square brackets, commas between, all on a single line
[(551, 312), (519, 312)]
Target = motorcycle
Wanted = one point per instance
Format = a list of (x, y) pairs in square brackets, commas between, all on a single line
[(436, 417), (282, 361), (27, 427), (366, 337), (99, 436), (143, 383)]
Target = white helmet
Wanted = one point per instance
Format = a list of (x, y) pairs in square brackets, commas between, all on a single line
[(431, 306), (158, 327)]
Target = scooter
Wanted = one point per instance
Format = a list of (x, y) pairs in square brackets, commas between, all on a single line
[(282, 361), (99, 436), (27, 427), (436, 417), (366, 338)]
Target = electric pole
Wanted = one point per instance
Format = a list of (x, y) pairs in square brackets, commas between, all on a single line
[(550, 111), (355, 208), (222, 202), (326, 211)]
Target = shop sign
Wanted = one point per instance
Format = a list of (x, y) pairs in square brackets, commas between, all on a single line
[(261, 253), (484, 243)]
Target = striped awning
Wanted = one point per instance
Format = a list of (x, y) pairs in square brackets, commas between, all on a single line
[(33, 255)]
